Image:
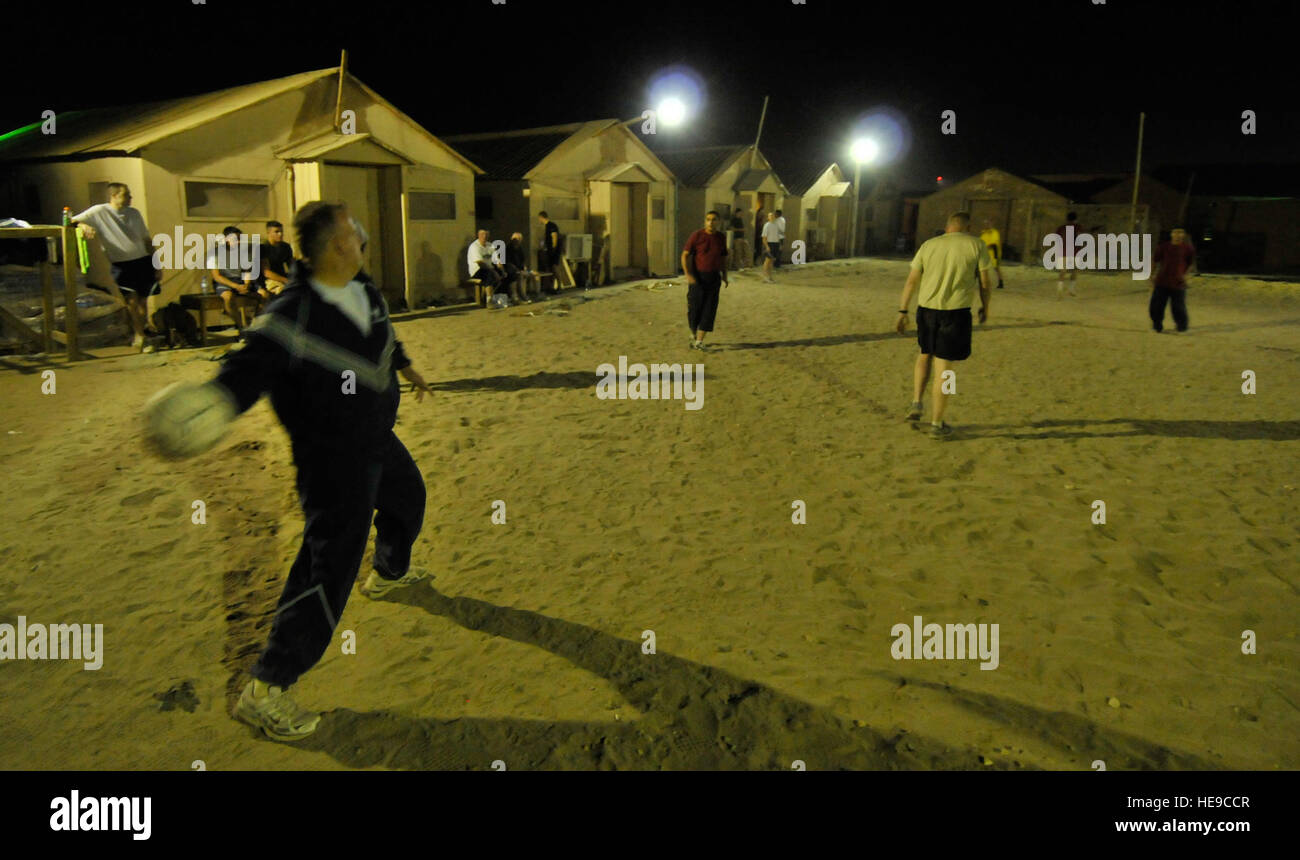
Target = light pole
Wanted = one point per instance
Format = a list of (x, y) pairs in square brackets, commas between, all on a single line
[(864, 150), (672, 113)]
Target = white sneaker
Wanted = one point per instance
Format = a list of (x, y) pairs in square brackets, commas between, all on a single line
[(276, 714), (378, 586)]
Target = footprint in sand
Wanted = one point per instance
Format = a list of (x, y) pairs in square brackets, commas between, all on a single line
[(140, 498)]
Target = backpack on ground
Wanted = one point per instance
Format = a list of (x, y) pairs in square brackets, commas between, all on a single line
[(179, 327)]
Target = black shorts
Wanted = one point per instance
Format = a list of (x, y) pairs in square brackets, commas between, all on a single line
[(135, 275), (944, 334)]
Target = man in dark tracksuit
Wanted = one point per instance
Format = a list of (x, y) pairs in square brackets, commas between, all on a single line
[(325, 350)]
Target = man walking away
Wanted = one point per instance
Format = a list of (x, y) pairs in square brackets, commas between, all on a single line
[(944, 268), (1174, 259), (704, 260)]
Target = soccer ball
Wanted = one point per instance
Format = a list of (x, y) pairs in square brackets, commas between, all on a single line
[(184, 419)]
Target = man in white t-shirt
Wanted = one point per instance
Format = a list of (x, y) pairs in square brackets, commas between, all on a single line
[(478, 259), (780, 241), (771, 238), (944, 269), (128, 245)]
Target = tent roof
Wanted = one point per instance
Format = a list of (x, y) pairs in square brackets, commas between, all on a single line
[(1077, 187), (314, 147), (801, 179), (625, 171), (696, 167), (511, 154), (125, 130)]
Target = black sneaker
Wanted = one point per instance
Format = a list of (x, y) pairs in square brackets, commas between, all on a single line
[(941, 431)]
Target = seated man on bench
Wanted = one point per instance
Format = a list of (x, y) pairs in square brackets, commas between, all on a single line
[(236, 284), (517, 264), (479, 260)]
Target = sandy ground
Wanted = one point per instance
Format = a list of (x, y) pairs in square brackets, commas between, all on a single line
[(1120, 642)]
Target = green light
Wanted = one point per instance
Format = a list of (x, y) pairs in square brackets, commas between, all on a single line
[(18, 131)]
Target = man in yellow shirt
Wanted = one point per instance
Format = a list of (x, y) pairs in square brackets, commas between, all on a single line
[(991, 237), (944, 270)]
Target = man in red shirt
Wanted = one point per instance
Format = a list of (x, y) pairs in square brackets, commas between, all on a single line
[(704, 260), (1173, 259)]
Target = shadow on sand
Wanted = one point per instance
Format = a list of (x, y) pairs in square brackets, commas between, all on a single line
[(543, 379), (692, 716), (870, 337), (1275, 431)]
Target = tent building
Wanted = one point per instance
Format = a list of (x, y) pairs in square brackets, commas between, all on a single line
[(819, 210), (257, 152), (729, 179), (594, 178)]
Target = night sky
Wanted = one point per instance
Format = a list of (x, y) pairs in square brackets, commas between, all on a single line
[(1048, 86)]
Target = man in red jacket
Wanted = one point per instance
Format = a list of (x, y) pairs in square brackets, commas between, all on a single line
[(1173, 260)]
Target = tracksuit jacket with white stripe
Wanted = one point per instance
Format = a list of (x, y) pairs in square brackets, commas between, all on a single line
[(299, 349)]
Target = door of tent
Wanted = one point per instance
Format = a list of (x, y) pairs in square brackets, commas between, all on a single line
[(629, 252), (358, 187)]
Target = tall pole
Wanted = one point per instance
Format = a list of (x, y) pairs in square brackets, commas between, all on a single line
[(338, 104), (857, 183), (1137, 176), (761, 118), (1187, 197)]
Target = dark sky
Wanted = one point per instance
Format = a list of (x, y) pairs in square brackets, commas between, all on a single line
[(1047, 86)]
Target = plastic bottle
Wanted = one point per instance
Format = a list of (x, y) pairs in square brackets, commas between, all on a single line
[(67, 216)]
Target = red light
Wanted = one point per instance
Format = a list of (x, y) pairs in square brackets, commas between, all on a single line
[(938, 179)]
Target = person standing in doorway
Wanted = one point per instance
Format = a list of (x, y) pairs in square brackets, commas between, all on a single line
[(548, 256)]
